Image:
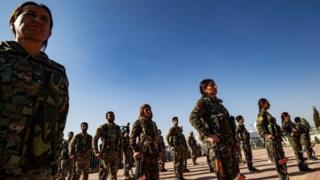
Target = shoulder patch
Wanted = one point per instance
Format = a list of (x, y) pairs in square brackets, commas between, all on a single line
[(260, 118)]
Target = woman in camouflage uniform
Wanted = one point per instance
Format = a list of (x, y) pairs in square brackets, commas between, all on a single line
[(34, 97), (293, 135), (271, 132), (146, 151)]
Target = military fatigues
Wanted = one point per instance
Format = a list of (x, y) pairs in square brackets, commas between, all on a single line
[(305, 139), (266, 125), (293, 135), (186, 154), (163, 149), (175, 141), (81, 147), (208, 117), (67, 164), (194, 149), (244, 137), (33, 110), (145, 130), (111, 151), (128, 155)]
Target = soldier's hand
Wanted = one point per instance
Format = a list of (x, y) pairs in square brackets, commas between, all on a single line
[(213, 139), (98, 154), (136, 155), (71, 157)]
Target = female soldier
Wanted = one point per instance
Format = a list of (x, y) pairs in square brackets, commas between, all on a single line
[(293, 135), (33, 97), (146, 150), (212, 120), (271, 132)]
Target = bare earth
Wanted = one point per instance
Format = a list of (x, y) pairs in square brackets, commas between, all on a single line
[(260, 161)]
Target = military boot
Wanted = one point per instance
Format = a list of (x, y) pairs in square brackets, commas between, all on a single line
[(304, 167), (251, 168)]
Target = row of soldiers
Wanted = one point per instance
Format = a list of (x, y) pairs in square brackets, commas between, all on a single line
[(76, 151), (217, 130)]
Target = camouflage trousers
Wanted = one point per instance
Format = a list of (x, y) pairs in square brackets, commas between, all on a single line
[(194, 155), (297, 149), (246, 147), (67, 168), (223, 154), (82, 168), (178, 159), (128, 162), (111, 165), (275, 148), (148, 166)]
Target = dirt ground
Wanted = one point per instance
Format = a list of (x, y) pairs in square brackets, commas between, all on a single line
[(260, 161)]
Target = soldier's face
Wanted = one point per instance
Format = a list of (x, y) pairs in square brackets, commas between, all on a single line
[(266, 105), (175, 122), (33, 24), (70, 135), (211, 89), (84, 127), (110, 117), (147, 112)]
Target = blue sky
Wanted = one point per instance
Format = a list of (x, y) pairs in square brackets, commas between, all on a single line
[(120, 54)]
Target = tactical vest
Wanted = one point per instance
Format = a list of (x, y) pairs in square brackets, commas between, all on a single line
[(33, 108), (111, 138), (148, 138), (82, 143)]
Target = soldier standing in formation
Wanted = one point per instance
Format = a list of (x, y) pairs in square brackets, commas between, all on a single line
[(146, 150), (162, 146), (80, 149), (128, 154), (111, 150), (212, 120), (33, 98), (67, 164), (244, 138), (186, 153), (175, 141), (305, 138), (194, 148), (270, 131), (290, 130)]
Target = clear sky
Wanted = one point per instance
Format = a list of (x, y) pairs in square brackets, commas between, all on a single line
[(120, 54)]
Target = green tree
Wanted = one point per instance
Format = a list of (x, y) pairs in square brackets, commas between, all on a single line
[(316, 117)]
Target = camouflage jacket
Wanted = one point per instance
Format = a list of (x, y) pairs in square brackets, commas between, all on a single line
[(64, 150), (242, 133), (290, 130), (111, 138), (304, 132), (34, 104), (192, 143), (209, 116), (266, 125), (175, 136), (144, 137), (81, 145)]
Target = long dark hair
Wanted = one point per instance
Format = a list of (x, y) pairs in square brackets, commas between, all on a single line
[(144, 106), (203, 85), (261, 102)]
